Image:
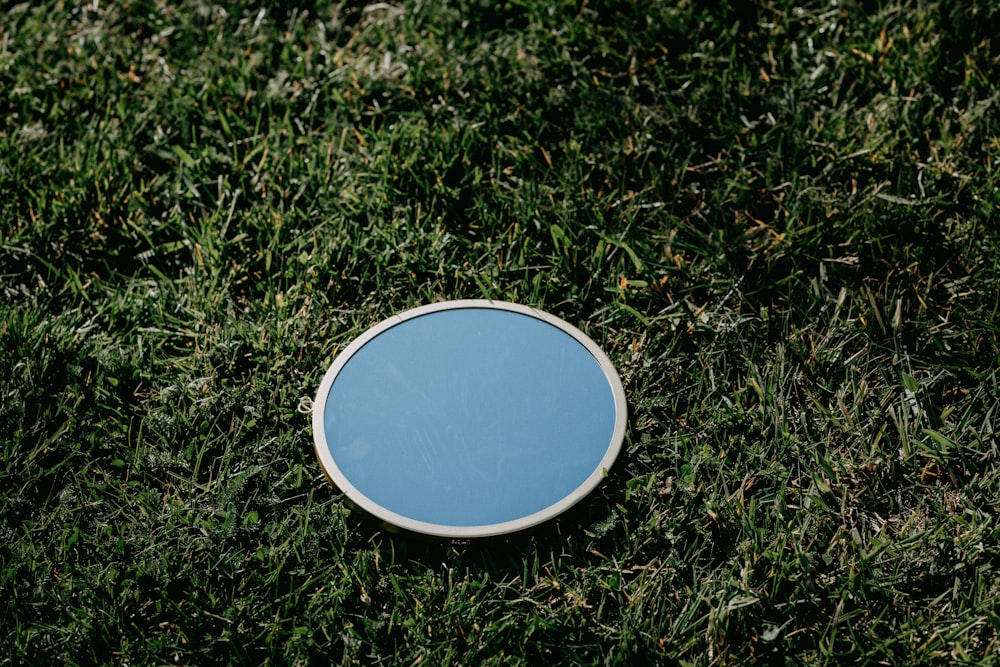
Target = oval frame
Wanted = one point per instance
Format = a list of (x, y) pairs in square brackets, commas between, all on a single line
[(338, 479)]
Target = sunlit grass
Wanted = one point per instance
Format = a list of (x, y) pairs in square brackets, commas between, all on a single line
[(779, 221)]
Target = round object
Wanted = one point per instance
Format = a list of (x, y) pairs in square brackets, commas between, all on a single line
[(469, 418)]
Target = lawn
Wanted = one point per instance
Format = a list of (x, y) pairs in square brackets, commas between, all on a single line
[(780, 220)]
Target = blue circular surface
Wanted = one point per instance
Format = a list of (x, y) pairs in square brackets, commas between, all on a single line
[(469, 418)]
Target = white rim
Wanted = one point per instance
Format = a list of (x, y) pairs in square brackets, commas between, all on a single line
[(337, 477)]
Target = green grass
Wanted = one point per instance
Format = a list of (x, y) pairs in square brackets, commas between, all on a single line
[(780, 221)]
